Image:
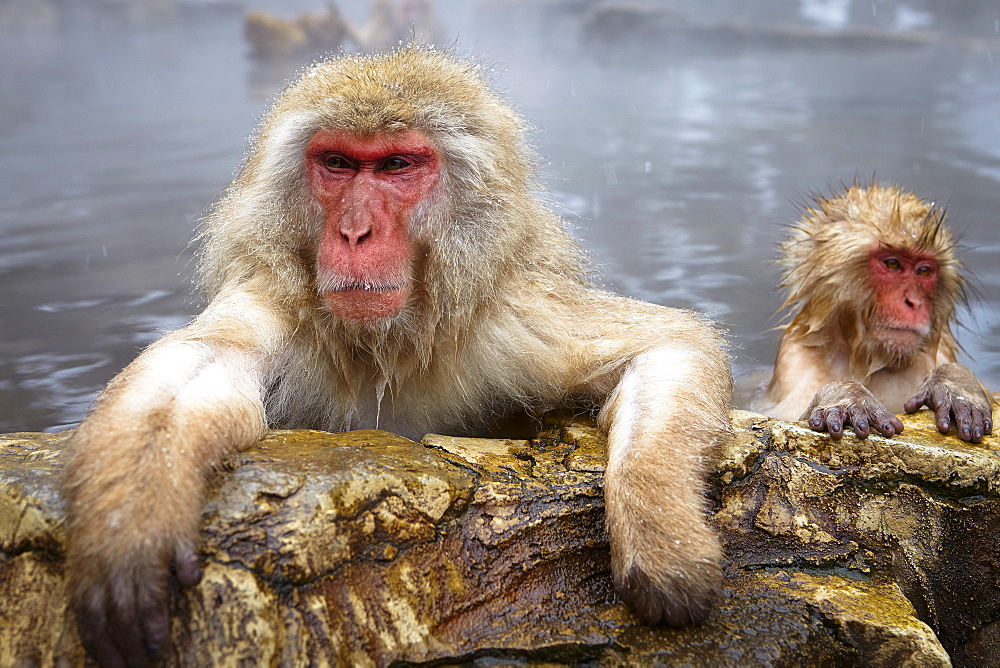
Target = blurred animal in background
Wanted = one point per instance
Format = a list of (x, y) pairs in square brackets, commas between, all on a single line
[(383, 260), (391, 23), (873, 281), (327, 31), (271, 36)]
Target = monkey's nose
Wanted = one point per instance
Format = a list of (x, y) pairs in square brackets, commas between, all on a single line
[(915, 304), (355, 236)]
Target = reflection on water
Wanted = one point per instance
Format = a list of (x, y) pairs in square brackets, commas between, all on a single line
[(677, 167)]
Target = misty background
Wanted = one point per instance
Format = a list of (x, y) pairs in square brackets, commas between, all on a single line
[(676, 138)]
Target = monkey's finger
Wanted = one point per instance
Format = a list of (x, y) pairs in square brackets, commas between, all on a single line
[(95, 632), (917, 401), (896, 424), (816, 420), (963, 419), (104, 648), (942, 415), (186, 565), (156, 628), (977, 425), (887, 424), (834, 418), (132, 644), (859, 418), (125, 627)]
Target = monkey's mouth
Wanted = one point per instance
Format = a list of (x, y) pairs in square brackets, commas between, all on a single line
[(364, 296), (367, 287), (334, 282), (904, 330), (366, 301), (902, 339)]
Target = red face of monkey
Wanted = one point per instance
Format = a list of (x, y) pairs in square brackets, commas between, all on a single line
[(367, 188), (904, 285)]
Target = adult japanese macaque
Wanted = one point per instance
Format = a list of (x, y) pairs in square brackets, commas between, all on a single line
[(382, 261), (873, 281)]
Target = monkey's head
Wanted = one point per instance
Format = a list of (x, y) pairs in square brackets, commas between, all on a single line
[(385, 188), (877, 267)]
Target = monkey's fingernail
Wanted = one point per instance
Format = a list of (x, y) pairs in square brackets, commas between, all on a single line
[(815, 423)]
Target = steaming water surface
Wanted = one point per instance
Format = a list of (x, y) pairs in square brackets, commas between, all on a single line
[(677, 170)]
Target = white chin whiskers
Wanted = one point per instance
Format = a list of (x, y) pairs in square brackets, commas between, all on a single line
[(334, 283)]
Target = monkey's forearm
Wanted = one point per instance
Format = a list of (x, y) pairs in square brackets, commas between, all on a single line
[(134, 484), (154, 433), (668, 410)]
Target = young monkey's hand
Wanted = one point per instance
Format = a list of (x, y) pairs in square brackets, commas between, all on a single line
[(955, 394), (848, 402)]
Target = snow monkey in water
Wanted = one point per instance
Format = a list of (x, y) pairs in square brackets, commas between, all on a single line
[(873, 281), (381, 260)]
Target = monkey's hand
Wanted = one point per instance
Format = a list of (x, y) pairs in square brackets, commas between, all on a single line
[(956, 394), (121, 608), (848, 402), (130, 520)]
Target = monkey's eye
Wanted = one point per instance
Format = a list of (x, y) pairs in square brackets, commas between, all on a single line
[(892, 263), (395, 163), (924, 271), (336, 162)]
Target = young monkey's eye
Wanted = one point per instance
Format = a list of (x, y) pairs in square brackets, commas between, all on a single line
[(336, 162), (924, 271), (395, 163), (892, 263)]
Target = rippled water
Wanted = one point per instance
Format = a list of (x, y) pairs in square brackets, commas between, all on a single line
[(677, 168)]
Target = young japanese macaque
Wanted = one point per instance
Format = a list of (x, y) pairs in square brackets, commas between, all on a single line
[(383, 260), (873, 281)]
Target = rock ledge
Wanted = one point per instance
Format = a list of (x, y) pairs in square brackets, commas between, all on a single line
[(365, 548)]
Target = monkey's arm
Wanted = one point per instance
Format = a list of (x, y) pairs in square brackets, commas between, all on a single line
[(135, 477), (848, 402), (668, 410), (954, 392)]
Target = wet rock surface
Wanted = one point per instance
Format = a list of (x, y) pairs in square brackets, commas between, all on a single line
[(365, 548)]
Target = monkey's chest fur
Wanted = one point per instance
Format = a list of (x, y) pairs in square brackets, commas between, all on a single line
[(467, 383)]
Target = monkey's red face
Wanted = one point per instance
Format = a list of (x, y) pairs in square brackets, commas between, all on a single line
[(367, 188), (904, 285)]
